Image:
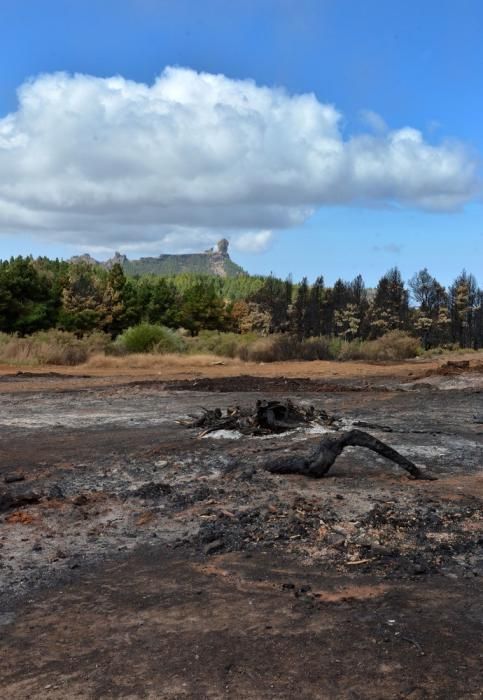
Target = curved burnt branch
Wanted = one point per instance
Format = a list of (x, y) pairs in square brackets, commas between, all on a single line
[(330, 447)]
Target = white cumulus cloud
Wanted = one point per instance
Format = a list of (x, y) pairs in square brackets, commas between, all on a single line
[(373, 120), (108, 162), (253, 242)]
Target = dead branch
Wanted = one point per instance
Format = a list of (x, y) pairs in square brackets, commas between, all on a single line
[(330, 447)]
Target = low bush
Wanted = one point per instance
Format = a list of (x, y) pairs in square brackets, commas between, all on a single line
[(322, 348), (148, 337), (391, 347), (277, 348), (218, 343)]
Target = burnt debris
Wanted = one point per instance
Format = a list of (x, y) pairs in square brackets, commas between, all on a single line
[(265, 418), (272, 417)]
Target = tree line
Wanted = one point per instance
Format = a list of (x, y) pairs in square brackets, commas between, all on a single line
[(37, 294)]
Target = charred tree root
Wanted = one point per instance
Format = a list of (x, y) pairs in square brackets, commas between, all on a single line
[(319, 463)]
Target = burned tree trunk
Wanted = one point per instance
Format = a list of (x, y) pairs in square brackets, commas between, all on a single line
[(330, 447)]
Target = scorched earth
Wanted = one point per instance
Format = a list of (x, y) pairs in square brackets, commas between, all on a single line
[(140, 560)]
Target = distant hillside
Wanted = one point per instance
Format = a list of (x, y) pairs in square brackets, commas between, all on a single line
[(212, 262)]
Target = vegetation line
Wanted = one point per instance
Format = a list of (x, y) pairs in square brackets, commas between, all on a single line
[(60, 312)]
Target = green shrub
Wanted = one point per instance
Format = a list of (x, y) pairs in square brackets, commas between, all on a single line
[(148, 337)]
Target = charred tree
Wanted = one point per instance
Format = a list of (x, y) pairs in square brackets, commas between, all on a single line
[(330, 447)]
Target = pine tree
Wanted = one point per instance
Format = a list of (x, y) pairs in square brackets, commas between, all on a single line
[(113, 305), (300, 317), (315, 302), (82, 300), (390, 309)]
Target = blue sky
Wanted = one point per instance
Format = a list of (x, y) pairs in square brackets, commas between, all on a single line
[(415, 64)]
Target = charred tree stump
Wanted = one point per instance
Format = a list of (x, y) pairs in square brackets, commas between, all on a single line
[(267, 417), (330, 447)]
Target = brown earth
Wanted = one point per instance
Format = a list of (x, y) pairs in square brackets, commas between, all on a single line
[(118, 370), (158, 565)]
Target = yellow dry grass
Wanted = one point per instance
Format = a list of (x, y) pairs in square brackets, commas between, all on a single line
[(153, 361)]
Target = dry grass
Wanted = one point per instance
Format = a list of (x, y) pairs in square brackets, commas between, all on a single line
[(152, 361), (392, 347), (53, 347), (96, 351), (279, 348)]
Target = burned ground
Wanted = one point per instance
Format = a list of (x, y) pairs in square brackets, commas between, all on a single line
[(156, 564)]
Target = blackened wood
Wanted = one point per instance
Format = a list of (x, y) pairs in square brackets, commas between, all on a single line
[(330, 447)]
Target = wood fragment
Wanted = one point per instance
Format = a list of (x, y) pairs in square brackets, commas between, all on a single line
[(359, 561)]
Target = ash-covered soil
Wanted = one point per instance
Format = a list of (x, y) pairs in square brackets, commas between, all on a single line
[(140, 561)]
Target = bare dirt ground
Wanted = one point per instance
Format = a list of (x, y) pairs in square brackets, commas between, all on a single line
[(140, 561), (170, 367)]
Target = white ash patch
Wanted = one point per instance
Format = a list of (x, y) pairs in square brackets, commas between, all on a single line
[(76, 419), (223, 435), (468, 380), (421, 450), (317, 429), (312, 429)]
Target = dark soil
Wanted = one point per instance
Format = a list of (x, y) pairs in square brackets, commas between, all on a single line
[(271, 384), (154, 564)]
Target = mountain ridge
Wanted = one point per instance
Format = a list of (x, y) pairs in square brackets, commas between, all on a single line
[(215, 261)]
